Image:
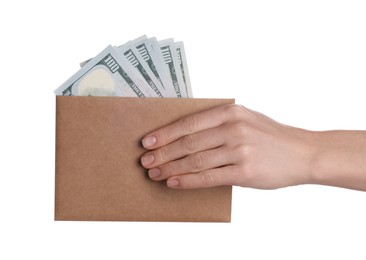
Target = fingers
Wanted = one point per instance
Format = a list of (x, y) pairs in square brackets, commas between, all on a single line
[(188, 125), (204, 140), (205, 179), (197, 150), (193, 163)]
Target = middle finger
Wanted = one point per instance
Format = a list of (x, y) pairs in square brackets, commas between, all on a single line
[(189, 144)]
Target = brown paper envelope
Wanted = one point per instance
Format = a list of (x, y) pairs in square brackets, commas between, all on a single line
[(98, 170)]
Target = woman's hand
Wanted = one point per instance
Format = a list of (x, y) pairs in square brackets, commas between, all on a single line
[(229, 145)]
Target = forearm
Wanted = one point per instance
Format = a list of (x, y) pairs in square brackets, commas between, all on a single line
[(232, 145), (340, 159)]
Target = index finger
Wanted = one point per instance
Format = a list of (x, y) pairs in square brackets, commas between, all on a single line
[(185, 126)]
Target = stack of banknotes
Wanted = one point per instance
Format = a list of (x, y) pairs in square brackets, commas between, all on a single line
[(144, 67)]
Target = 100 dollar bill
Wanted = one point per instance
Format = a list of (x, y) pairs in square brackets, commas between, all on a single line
[(142, 68), (170, 58), (150, 50), (182, 58), (108, 74)]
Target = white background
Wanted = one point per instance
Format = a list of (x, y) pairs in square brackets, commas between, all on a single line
[(301, 62)]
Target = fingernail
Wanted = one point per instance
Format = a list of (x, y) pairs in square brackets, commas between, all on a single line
[(172, 183), (153, 173), (147, 159), (148, 141)]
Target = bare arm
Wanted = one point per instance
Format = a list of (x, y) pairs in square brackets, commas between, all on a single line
[(340, 159), (232, 145)]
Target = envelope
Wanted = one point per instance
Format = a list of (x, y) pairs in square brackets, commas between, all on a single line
[(98, 172)]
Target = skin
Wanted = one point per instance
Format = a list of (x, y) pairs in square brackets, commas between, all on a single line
[(233, 145)]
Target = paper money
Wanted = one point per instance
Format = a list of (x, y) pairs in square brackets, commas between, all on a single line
[(142, 67), (170, 58), (108, 74), (145, 47), (182, 58)]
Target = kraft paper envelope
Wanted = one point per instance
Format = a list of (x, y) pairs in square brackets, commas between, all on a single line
[(98, 170)]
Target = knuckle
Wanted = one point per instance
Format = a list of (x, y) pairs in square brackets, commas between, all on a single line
[(238, 130), (234, 111), (247, 171), (242, 152), (196, 161), (207, 179), (188, 123), (189, 143), (242, 129), (163, 136), (167, 170), (162, 155)]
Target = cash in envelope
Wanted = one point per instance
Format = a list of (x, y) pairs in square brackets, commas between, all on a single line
[(144, 67)]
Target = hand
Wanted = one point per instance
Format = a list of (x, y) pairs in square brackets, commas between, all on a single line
[(228, 145)]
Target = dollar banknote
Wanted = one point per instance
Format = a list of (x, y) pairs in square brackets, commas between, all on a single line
[(170, 58), (108, 74), (145, 47), (182, 58), (143, 67)]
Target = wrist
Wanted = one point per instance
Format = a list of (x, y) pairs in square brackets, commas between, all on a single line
[(311, 156), (338, 159), (319, 158), (304, 156)]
